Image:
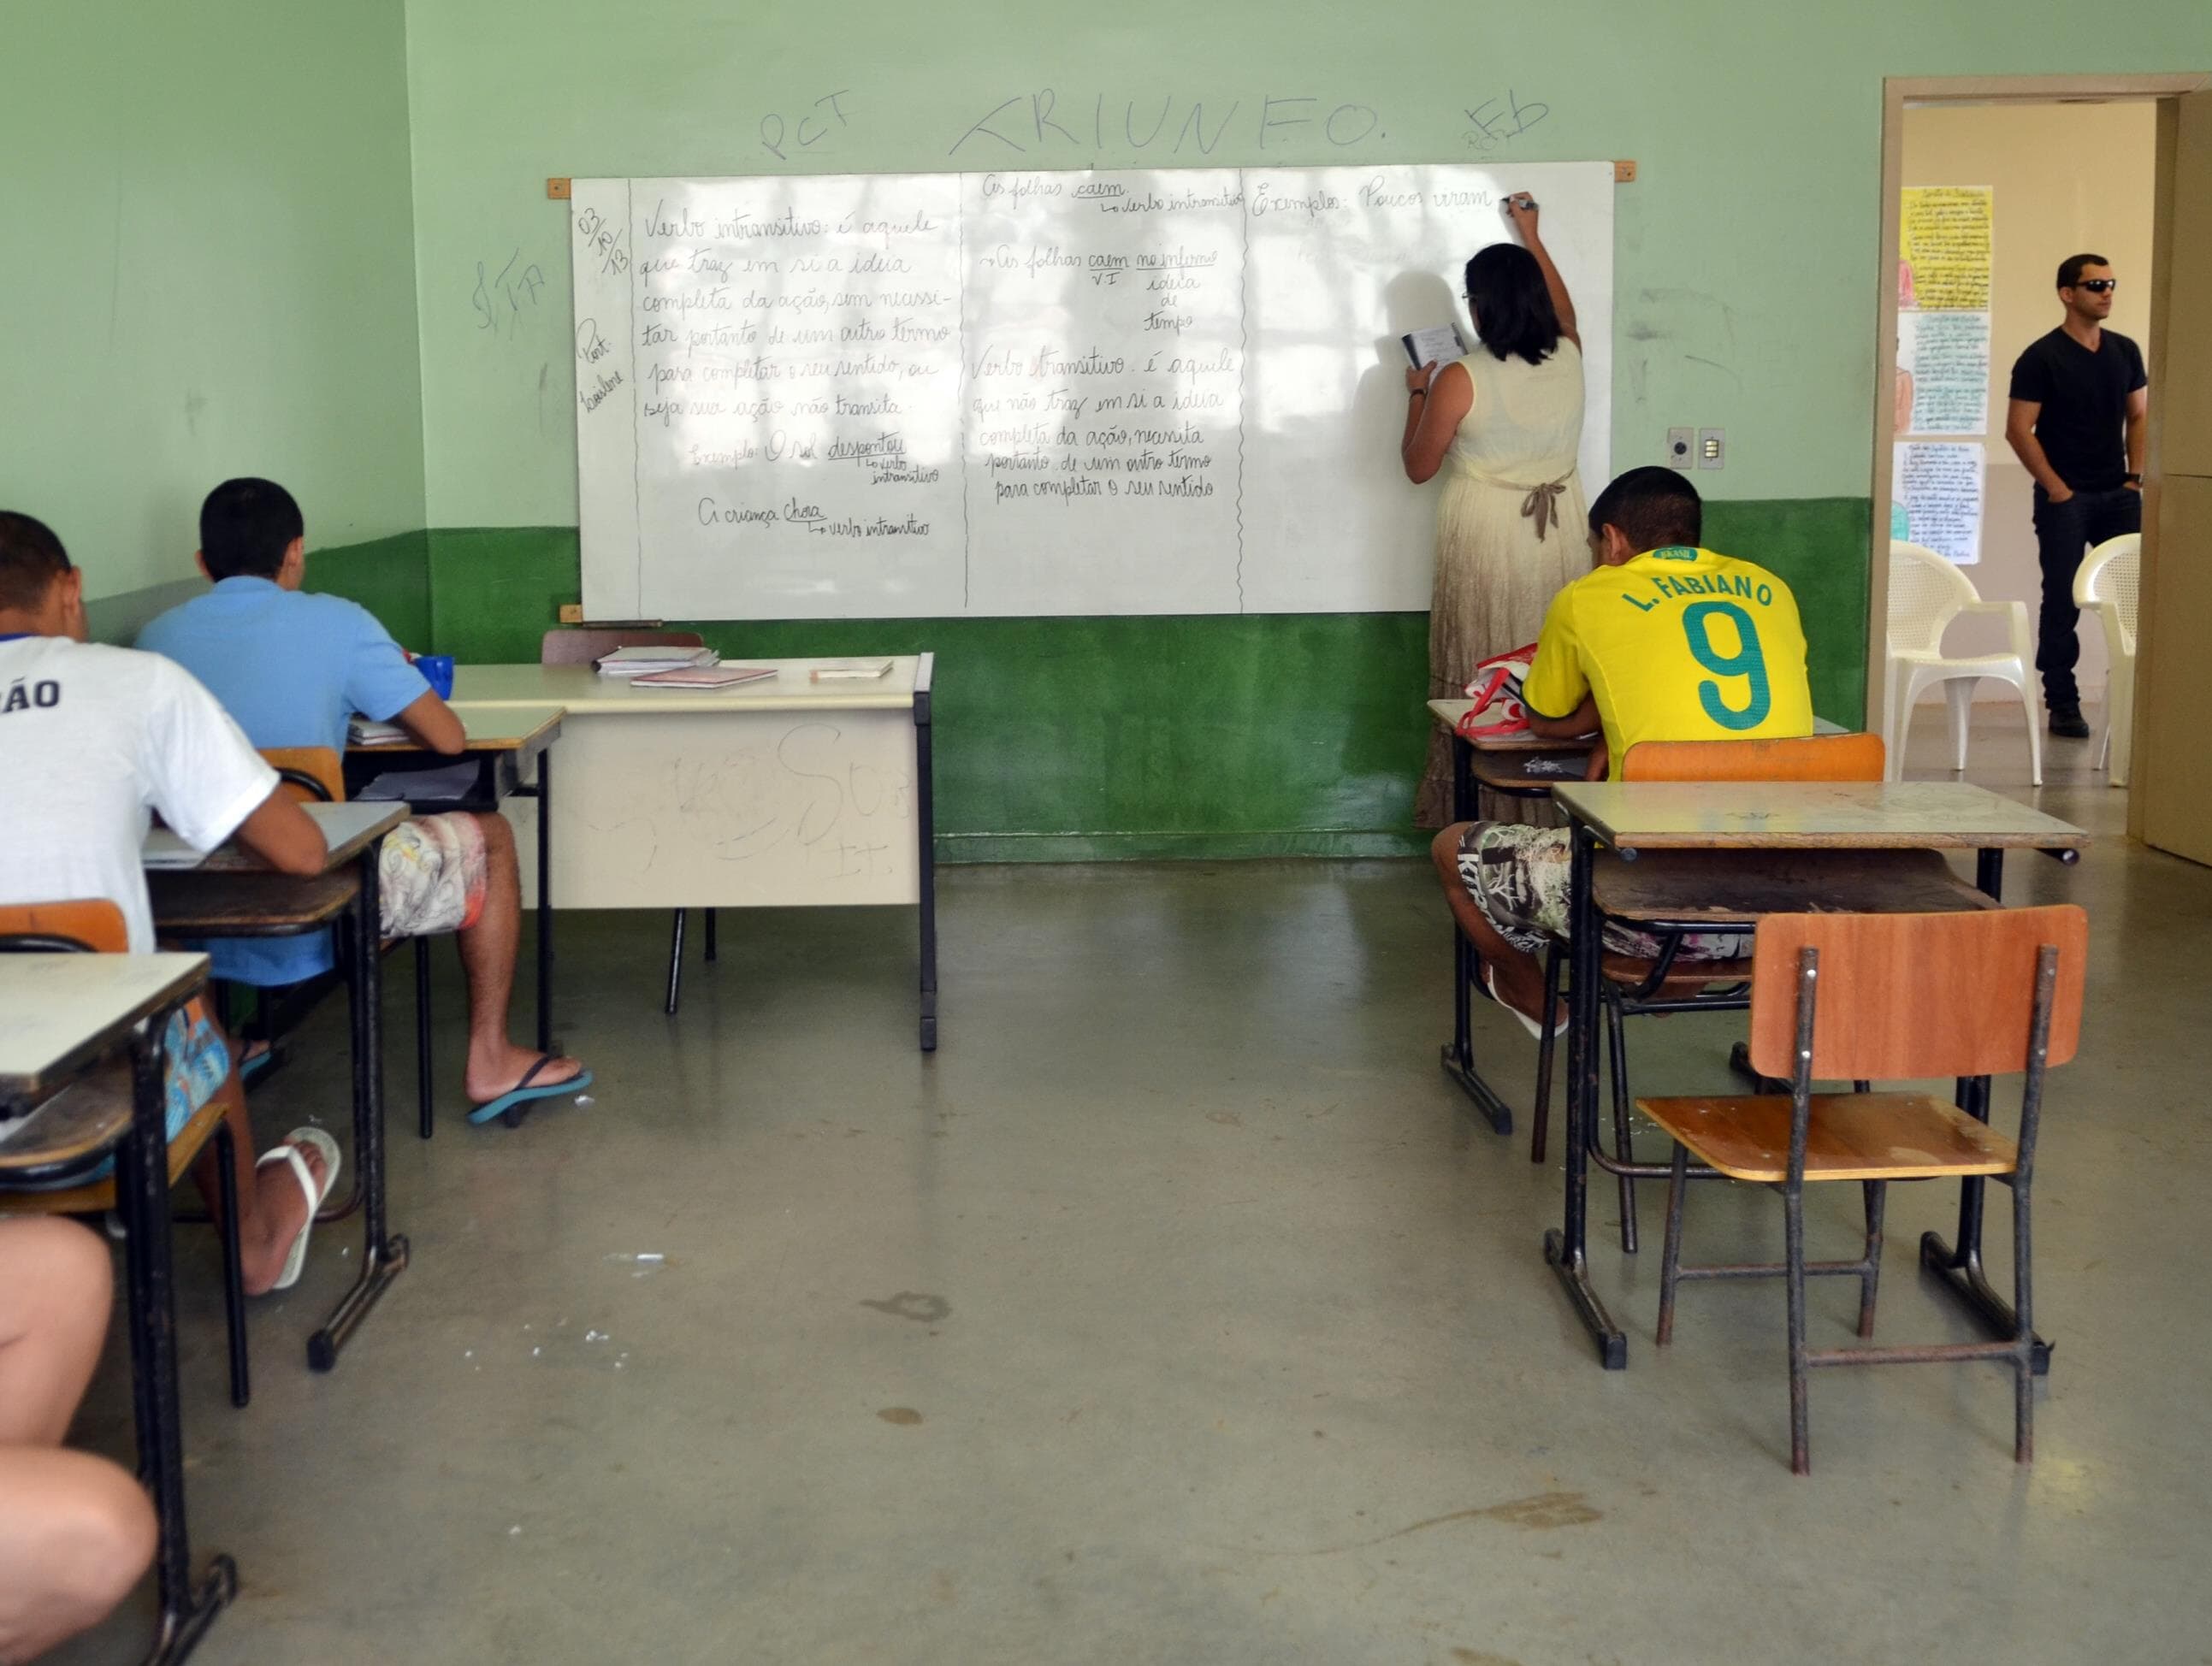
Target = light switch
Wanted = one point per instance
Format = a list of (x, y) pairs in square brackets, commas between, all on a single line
[(1713, 448)]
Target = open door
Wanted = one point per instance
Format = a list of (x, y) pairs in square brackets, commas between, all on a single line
[(2171, 805)]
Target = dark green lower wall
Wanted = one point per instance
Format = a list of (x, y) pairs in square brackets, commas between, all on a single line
[(1068, 738), (1204, 735), (389, 576)]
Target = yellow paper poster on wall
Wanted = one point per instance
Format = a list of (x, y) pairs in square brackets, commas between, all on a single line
[(1943, 248)]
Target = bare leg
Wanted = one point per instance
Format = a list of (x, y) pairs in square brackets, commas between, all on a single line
[(271, 1207), (76, 1532), (487, 949), (55, 1283), (1519, 974)]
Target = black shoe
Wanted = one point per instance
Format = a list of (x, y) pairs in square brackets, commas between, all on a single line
[(2068, 723)]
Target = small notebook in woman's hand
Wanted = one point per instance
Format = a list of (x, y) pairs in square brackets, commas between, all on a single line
[(702, 677), (1439, 344)]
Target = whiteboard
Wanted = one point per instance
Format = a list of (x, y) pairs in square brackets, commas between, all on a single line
[(1165, 390)]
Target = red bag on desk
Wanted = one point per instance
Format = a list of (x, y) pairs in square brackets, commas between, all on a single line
[(1495, 688)]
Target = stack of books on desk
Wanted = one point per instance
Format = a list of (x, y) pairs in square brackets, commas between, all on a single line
[(367, 732), (644, 661)]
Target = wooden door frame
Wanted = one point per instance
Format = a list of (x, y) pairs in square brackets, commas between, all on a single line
[(1897, 92)]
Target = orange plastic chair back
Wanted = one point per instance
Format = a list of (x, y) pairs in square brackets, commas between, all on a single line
[(1815, 757), (95, 921)]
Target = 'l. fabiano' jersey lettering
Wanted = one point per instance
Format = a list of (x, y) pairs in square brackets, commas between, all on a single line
[(1678, 644)]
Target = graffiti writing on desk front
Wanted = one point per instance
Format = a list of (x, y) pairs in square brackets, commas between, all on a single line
[(846, 819)]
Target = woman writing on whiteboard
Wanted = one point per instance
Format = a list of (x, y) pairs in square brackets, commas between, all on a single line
[(1504, 425)]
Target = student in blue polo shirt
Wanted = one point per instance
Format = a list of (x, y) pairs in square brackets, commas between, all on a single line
[(292, 668)]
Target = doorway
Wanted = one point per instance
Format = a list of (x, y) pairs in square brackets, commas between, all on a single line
[(2026, 171)]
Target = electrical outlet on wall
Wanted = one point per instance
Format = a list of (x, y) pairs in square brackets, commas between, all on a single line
[(1713, 447), (1682, 448)]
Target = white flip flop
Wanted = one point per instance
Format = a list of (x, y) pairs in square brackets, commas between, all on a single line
[(296, 1258)]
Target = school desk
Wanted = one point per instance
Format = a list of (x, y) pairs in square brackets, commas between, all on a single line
[(1522, 766), (61, 1016), (231, 894), (512, 745), (1720, 845), (783, 793)]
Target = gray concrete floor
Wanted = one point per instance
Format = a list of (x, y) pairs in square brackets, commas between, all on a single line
[(1176, 1311)]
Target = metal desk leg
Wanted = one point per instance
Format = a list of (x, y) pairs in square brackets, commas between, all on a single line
[(1566, 1247), (545, 901), (1960, 1269), (1458, 1054), (383, 1256), (142, 1163), (925, 809)]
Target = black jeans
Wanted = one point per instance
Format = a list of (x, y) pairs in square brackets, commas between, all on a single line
[(2064, 533)]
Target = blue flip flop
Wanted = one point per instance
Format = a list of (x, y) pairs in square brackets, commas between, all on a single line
[(509, 1103), (252, 1066)]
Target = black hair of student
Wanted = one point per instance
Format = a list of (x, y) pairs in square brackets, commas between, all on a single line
[(1513, 311), (1655, 507), (31, 559), (2070, 269), (245, 525)]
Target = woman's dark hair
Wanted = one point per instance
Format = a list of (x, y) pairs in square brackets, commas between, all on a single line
[(1513, 311)]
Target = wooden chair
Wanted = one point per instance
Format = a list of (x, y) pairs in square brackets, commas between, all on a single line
[(316, 774), (1885, 997), (583, 646), (1634, 986), (96, 926)]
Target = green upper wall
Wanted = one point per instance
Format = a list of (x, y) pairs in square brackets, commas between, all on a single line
[(209, 270), (1746, 252), (312, 240)]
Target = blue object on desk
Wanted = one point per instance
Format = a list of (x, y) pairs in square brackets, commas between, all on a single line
[(437, 670)]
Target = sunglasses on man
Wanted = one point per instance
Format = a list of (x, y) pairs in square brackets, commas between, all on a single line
[(2097, 286)]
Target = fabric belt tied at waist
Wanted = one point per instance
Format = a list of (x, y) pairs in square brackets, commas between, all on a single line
[(1541, 504)]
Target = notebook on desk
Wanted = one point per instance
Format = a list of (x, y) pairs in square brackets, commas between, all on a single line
[(648, 661), (702, 677), (368, 732), (164, 850)]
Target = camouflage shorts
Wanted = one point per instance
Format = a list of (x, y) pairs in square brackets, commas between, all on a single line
[(432, 876), (1519, 877)]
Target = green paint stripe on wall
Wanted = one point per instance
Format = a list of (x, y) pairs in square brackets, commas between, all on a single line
[(1819, 547), (1201, 736), (389, 576)]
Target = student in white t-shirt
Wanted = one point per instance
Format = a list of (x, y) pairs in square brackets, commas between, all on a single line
[(91, 738)]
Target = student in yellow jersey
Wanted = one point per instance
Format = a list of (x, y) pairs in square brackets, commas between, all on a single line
[(1664, 640)]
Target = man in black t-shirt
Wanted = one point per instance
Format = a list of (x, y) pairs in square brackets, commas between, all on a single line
[(2076, 420)]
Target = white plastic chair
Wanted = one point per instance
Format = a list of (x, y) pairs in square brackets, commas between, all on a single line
[(1926, 593), (2107, 584)]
